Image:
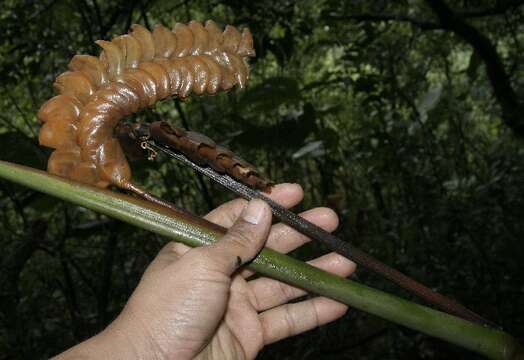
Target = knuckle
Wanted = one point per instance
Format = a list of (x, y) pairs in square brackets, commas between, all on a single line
[(253, 298), (241, 236), (286, 292), (200, 257), (315, 311), (208, 259), (169, 248), (290, 320)]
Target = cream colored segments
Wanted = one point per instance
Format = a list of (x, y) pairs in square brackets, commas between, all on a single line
[(91, 67), (58, 134), (60, 116), (63, 161), (165, 42), (131, 50), (231, 39), (161, 79), (112, 58), (134, 71), (75, 84), (145, 38), (215, 36), (245, 47), (200, 38), (184, 38)]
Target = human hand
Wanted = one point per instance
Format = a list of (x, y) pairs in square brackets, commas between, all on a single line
[(197, 303)]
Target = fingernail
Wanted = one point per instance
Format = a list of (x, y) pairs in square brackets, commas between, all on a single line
[(253, 212)]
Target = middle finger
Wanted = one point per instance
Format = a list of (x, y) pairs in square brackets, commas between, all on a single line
[(284, 238), (265, 293)]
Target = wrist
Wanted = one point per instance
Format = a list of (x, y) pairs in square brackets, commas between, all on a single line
[(115, 342), (127, 338)]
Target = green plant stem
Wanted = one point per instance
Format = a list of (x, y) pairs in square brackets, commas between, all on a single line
[(193, 231)]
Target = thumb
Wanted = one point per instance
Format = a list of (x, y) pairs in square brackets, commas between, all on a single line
[(244, 240)]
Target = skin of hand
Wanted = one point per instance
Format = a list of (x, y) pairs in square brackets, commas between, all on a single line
[(198, 303)]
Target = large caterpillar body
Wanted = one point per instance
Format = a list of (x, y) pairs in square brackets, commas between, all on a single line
[(134, 71)]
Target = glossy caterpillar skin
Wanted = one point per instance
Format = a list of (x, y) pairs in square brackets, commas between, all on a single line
[(134, 71)]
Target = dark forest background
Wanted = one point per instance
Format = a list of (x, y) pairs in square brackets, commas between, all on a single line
[(403, 116)]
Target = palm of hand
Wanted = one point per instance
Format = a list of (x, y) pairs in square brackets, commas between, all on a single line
[(257, 312), (239, 335), (198, 311)]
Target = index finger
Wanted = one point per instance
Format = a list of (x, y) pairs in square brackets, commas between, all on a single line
[(286, 194)]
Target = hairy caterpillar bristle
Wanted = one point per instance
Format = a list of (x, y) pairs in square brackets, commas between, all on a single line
[(134, 71)]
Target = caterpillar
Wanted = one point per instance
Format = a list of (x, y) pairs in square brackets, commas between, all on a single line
[(134, 71), (195, 146)]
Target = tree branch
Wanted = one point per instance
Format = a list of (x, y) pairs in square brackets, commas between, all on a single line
[(500, 8), (424, 25), (506, 96)]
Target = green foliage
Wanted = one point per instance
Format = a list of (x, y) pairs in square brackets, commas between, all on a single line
[(389, 122)]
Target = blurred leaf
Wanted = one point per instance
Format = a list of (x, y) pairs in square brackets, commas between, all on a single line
[(313, 149), (428, 101)]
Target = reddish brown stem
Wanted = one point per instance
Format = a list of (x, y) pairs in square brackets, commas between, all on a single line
[(166, 204)]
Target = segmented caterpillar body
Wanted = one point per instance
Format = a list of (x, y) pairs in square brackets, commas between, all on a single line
[(134, 71), (197, 147)]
